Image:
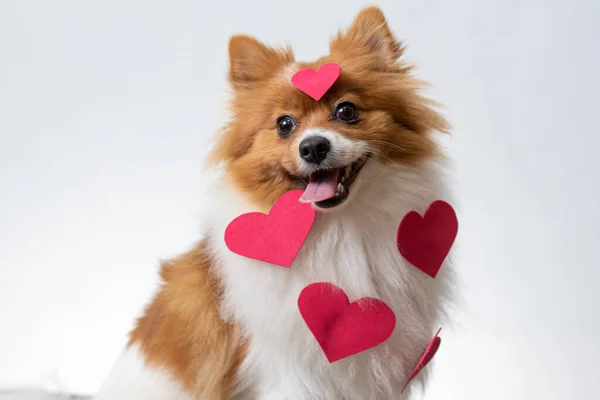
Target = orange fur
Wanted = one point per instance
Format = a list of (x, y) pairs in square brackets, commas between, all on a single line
[(181, 329)]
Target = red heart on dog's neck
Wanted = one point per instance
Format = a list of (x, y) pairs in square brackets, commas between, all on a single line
[(316, 83), (426, 241), (343, 328), (275, 238)]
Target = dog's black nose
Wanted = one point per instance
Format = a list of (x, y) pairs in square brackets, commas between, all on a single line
[(314, 149)]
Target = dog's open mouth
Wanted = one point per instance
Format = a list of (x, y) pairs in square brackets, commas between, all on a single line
[(328, 188)]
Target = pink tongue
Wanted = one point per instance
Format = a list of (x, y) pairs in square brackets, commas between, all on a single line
[(321, 188)]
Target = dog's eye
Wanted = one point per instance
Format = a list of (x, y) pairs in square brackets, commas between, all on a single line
[(285, 126), (346, 112)]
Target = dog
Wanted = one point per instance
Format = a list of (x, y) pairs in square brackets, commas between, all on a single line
[(223, 326)]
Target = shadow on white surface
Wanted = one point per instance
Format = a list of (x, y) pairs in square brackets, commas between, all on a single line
[(33, 394)]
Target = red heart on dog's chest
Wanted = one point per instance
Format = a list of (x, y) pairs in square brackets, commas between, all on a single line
[(316, 83), (342, 328), (275, 238), (426, 241)]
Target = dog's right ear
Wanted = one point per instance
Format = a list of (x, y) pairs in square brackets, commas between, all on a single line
[(251, 61), (369, 36)]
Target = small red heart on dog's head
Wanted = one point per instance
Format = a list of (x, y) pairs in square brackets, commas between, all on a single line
[(426, 241), (275, 238), (316, 83), (342, 328), (427, 355)]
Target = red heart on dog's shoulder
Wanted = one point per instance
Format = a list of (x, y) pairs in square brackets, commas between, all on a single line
[(342, 328), (275, 238), (316, 83), (426, 241), (427, 355)]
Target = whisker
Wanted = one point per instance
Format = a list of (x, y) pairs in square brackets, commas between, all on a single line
[(377, 165), (386, 143), (380, 154)]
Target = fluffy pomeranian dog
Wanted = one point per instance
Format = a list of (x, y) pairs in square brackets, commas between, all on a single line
[(222, 326)]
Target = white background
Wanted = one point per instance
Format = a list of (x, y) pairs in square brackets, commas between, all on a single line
[(105, 112)]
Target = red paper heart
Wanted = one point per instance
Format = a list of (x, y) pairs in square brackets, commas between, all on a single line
[(340, 327), (316, 83), (426, 241), (427, 355), (275, 238)]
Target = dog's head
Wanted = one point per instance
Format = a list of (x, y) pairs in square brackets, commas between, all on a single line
[(281, 139)]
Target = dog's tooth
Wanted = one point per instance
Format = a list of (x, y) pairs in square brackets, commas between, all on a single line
[(340, 188)]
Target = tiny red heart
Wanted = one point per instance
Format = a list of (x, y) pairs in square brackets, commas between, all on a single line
[(275, 238), (426, 241), (342, 328), (427, 355), (316, 83)]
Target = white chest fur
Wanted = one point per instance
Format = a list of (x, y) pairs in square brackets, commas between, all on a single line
[(355, 249)]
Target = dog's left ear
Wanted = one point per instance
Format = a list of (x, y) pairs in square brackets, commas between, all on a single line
[(369, 36)]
